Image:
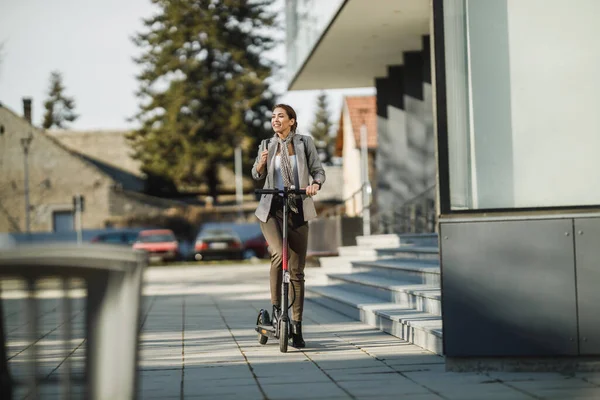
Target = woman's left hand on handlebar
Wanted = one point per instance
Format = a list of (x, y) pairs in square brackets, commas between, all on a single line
[(312, 189)]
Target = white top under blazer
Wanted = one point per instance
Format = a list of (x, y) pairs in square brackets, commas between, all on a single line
[(277, 173)]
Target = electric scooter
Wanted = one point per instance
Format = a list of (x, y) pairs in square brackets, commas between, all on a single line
[(280, 327)]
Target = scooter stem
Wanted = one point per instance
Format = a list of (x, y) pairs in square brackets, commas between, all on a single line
[(285, 228), (285, 273)]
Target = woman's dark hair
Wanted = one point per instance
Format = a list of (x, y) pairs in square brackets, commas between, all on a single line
[(290, 113)]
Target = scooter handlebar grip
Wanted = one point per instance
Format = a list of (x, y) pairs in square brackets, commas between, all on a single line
[(279, 191), (267, 191)]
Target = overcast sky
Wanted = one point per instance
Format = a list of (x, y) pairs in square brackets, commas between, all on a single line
[(89, 42)]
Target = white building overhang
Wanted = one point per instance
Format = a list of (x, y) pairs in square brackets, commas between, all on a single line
[(361, 41)]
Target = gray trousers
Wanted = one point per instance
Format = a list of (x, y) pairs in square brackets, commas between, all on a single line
[(297, 244)]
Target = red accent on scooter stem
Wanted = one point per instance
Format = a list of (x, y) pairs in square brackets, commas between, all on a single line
[(284, 235)]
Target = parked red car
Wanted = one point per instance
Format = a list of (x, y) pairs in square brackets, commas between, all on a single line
[(161, 244)]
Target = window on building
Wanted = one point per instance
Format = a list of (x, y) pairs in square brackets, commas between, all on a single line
[(62, 221)]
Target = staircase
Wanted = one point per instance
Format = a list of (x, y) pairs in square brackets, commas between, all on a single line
[(391, 282)]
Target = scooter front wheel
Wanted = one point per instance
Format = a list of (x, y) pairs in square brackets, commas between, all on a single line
[(263, 319), (284, 333)]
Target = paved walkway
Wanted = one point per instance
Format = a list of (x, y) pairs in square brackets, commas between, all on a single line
[(198, 342)]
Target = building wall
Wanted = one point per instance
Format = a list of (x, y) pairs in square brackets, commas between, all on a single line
[(332, 191), (392, 151), (391, 142), (420, 140), (351, 165), (406, 144), (55, 175), (110, 147), (122, 203)]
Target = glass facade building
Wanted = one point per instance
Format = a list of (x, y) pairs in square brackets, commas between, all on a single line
[(508, 92)]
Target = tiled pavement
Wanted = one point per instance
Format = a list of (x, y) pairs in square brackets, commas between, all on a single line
[(198, 342)]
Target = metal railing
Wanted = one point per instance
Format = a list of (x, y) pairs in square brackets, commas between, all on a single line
[(341, 209), (415, 215), (113, 283)]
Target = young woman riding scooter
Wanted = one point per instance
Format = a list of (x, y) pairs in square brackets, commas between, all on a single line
[(288, 160)]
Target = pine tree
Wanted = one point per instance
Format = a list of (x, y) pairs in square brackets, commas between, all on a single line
[(59, 108), (321, 128), (203, 87)]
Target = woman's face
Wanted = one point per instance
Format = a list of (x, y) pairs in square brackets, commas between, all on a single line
[(280, 121)]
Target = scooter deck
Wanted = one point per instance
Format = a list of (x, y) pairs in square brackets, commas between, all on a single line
[(266, 330)]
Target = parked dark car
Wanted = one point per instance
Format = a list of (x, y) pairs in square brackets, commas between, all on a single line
[(253, 243), (124, 237), (221, 243)]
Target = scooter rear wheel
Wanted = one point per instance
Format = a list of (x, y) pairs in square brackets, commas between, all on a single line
[(263, 319), (284, 334)]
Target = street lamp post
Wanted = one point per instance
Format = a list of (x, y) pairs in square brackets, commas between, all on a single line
[(239, 188), (26, 143)]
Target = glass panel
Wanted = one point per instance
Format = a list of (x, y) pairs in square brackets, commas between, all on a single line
[(455, 44), (306, 21), (523, 94)]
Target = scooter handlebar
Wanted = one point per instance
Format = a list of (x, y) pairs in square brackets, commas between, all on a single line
[(280, 191)]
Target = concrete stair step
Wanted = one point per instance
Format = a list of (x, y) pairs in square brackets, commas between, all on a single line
[(411, 252), (342, 263), (413, 271), (396, 240), (420, 328), (351, 251), (420, 239), (378, 241), (425, 298)]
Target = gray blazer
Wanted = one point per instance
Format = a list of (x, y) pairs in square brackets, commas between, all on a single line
[(309, 165)]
